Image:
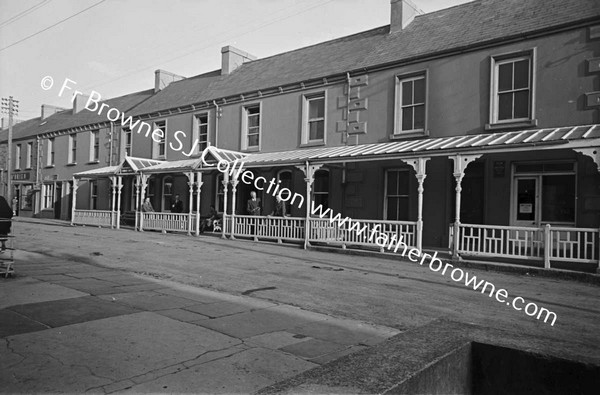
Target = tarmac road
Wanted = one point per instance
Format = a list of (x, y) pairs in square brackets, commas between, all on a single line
[(392, 293)]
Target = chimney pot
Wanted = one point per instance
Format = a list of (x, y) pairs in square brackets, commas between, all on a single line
[(232, 58)]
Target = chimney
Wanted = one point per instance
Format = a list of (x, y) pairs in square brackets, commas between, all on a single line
[(163, 78), (232, 58), (79, 102), (48, 110), (403, 13)]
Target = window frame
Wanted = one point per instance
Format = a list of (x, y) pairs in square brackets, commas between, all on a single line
[(495, 62), (29, 155), (305, 133), (245, 135), (93, 194), (94, 146), (399, 79), (170, 181), (48, 196), (50, 152), (196, 132), (219, 193), (17, 159), (127, 141), (386, 195), (157, 145), (72, 153), (313, 192)]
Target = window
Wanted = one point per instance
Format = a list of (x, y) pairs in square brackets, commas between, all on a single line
[(411, 92), (313, 129), (94, 145), (285, 181), (150, 188), (251, 127), (127, 141), (200, 133), (29, 155), (93, 195), (512, 89), (544, 193), (220, 194), (72, 148), (50, 152), (321, 189), (167, 192), (47, 196), (396, 195), (159, 148), (18, 157)]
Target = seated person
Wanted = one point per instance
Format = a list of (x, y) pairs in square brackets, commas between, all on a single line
[(208, 222), (280, 209)]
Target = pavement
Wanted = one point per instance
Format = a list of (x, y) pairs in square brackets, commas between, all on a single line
[(76, 327), (104, 311)]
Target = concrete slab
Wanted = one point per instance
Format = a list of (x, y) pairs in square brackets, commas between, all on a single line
[(53, 277), (313, 348), (89, 355), (275, 340), (28, 290), (12, 323), (344, 331), (148, 300), (244, 325), (71, 311), (244, 372), (220, 309), (182, 315), (89, 285), (337, 354)]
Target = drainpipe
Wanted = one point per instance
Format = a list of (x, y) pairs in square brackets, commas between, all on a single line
[(346, 134), (217, 116), (110, 147)]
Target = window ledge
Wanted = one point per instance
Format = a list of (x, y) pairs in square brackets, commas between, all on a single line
[(93, 162), (403, 135), (48, 166), (72, 164), (28, 168), (19, 169), (511, 125), (313, 143), (251, 149)]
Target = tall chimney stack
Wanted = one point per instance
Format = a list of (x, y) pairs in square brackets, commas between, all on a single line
[(403, 13), (232, 58)]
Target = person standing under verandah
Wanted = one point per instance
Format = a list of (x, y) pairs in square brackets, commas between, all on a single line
[(147, 206), (280, 209), (253, 208), (177, 205)]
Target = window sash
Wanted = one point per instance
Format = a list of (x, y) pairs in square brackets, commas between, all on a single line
[(397, 203), (512, 91), (29, 155), (412, 97), (252, 127), (202, 130), (73, 148), (315, 113), (18, 157)]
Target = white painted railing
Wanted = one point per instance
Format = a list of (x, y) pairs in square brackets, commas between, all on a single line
[(362, 232), (545, 243), (268, 228), (94, 217), (173, 222)]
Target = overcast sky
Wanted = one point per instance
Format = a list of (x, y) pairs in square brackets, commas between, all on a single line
[(115, 46)]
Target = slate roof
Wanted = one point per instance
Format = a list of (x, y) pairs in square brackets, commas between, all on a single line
[(459, 27), (64, 120)]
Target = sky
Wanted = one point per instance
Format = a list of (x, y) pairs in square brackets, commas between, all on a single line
[(114, 46)]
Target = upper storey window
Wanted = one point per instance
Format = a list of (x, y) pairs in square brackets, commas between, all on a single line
[(411, 109), (313, 112), (512, 90), (251, 127), (159, 148)]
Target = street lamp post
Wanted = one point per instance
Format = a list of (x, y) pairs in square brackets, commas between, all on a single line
[(10, 106)]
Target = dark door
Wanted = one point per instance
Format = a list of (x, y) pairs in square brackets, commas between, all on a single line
[(58, 201)]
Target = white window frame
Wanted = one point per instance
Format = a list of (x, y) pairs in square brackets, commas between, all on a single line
[(167, 180), (328, 193), (29, 155), (495, 62), (50, 152), (306, 120), (94, 145), (72, 154), (127, 145), (386, 195), (48, 196), (244, 142), (405, 77), (156, 146), (196, 132), (18, 157)]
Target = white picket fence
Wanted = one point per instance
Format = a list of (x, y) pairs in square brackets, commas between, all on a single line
[(94, 217), (172, 222), (546, 243)]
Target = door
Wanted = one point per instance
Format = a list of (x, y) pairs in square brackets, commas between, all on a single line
[(526, 201), (58, 202)]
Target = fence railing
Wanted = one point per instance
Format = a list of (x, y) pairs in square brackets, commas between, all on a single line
[(268, 228), (546, 243), (173, 222), (361, 232), (94, 217)]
